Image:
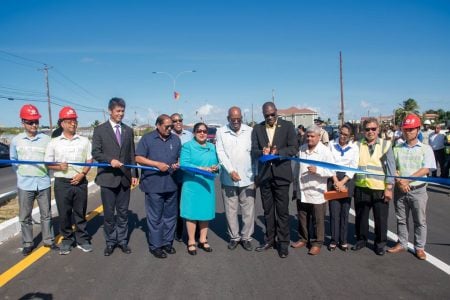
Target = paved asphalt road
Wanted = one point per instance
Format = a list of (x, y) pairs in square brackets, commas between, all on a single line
[(8, 179), (238, 274)]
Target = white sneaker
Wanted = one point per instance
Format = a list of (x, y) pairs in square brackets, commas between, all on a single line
[(85, 247)]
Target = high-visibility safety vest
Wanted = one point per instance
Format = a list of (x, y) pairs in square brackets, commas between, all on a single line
[(373, 164)]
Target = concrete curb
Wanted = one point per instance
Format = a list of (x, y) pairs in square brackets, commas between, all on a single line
[(11, 228)]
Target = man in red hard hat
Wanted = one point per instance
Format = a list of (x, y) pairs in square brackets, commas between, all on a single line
[(70, 181), (33, 181), (412, 159)]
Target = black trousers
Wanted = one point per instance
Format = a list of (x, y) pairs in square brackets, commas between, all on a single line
[(275, 201), (180, 220), (365, 199), (115, 210), (71, 201), (339, 211), (439, 156)]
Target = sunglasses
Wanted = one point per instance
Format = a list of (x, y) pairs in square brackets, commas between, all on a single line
[(167, 127), (236, 120), (70, 121), (177, 121), (270, 115), (201, 131), (370, 129), (31, 123)]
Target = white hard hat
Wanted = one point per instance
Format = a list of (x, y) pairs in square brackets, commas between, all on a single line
[(427, 122)]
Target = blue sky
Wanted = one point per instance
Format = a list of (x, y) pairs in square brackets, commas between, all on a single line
[(241, 50)]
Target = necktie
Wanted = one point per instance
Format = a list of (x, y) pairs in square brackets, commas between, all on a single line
[(118, 136)]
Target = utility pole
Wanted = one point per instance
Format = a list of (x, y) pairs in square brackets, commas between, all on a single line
[(273, 96), (252, 115), (342, 90), (45, 69)]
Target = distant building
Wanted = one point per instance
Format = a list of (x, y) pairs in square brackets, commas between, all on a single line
[(297, 116)]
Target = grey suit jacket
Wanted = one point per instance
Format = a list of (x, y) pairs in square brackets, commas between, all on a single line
[(106, 148)]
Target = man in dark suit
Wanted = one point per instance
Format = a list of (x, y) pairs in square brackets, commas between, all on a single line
[(278, 137), (113, 143)]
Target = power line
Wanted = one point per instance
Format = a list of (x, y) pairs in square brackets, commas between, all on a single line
[(24, 58), (17, 63), (79, 86)]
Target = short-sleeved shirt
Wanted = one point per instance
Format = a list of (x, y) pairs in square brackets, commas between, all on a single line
[(185, 136), (153, 147), (61, 149), (23, 147)]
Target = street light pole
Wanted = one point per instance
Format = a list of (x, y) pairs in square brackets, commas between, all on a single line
[(174, 79)]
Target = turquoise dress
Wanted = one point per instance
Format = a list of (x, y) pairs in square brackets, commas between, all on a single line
[(197, 195)]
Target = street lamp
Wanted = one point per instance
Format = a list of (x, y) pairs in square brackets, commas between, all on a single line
[(174, 80)]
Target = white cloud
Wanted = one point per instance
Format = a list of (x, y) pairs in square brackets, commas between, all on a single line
[(364, 104), (87, 60)]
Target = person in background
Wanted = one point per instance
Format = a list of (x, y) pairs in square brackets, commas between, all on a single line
[(198, 194), (425, 133), (71, 192), (412, 159), (324, 137), (345, 153), (113, 143), (375, 156), (301, 135), (185, 136), (33, 181), (447, 154), (437, 140), (277, 137), (234, 143), (160, 149)]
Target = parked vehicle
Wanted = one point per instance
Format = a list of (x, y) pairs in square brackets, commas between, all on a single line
[(4, 153), (212, 135)]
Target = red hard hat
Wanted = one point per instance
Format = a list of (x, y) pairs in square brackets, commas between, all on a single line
[(67, 112), (29, 112), (411, 121)]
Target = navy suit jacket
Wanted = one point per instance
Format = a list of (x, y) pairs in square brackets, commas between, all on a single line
[(106, 148)]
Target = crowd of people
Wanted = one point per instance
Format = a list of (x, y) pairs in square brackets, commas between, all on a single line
[(177, 198)]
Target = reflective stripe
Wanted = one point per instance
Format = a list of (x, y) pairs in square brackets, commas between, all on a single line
[(374, 168), (372, 163)]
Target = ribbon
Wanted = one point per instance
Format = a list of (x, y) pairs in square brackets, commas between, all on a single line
[(334, 167), (105, 165)]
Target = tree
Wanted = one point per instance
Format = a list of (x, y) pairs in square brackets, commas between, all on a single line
[(408, 106), (95, 123)]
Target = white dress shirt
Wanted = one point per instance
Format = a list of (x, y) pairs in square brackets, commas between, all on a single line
[(234, 153), (312, 186), (348, 157)]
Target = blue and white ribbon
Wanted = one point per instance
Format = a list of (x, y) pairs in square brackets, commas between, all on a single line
[(105, 165), (334, 167)]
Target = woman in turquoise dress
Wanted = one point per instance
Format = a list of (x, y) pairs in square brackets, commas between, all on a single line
[(198, 195)]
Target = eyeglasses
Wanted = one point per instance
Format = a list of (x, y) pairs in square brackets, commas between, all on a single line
[(31, 123), (167, 127), (177, 121), (201, 131), (370, 129), (71, 121), (270, 115)]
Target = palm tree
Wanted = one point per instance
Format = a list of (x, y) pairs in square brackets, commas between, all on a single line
[(408, 106)]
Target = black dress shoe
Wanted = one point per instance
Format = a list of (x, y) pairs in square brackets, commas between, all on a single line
[(169, 249), (264, 247), (233, 244), (52, 246), (247, 245), (158, 253), (359, 245), (27, 250), (380, 251), (125, 249), (283, 253), (108, 250)]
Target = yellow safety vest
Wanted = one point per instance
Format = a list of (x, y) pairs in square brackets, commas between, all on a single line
[(373, 164)]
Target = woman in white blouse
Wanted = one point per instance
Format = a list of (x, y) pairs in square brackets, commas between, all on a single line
[(346, 154)]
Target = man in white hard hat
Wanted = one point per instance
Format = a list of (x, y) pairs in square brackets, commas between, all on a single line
[(426, 131)]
